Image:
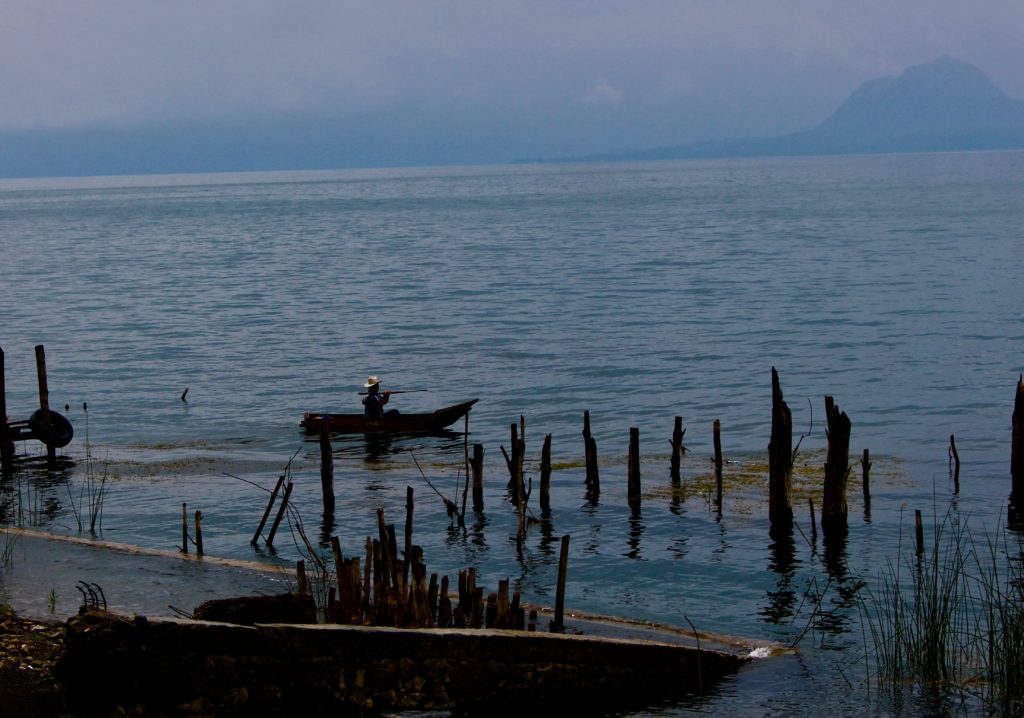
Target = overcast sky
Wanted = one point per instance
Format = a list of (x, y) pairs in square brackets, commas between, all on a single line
[(582, 75)]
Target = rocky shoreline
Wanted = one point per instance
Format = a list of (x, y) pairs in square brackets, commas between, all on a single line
[(29, 650)]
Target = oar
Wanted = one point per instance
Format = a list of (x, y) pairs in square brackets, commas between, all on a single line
[(400, 391)]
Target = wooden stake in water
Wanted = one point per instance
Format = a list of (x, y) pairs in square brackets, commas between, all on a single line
[(1017, 444), (954, 459), (865, 467), (266, 513), (919, 532), (199, 533), (717, 431), (634, 467), (558, 624), (6, 445), (677, 450), (478, 477), (326, 469), (837, 463), (184, 528), (545, 476), (780, 458), (280, 514), (44, 395)]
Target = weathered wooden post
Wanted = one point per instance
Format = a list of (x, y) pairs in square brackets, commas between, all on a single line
[(954, 460), (545, 476), (837, 459), (326, 469), (266, 513), (814, 523), (199, 533), (633, 473), (717, 430), (865, 468), (1017, 444), (593, 480), (184, 528), (515, 480), (780, 457), (919, 532), (677, 449), (406, 558), (6, 445), (558, 624), (280, 513), (44, 396), (300, 577), (478, 477)]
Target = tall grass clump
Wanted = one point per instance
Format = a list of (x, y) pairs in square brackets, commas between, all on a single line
[(952, 621), (94, 491)]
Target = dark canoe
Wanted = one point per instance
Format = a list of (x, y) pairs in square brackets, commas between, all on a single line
[(392, 424)]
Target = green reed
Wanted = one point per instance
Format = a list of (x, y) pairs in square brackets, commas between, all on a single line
[(952, 620)]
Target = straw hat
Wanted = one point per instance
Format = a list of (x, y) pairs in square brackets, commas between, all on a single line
[(371, 381)]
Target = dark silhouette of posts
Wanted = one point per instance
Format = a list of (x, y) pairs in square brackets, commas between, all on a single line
[(837, 467), (326, 469), (266, 513), (1017, 444), (677, 450), (634, 467), (865, 467), (780, 457), (280, 513)]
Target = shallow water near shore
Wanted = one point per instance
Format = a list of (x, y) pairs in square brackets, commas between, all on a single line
[(637, 292)]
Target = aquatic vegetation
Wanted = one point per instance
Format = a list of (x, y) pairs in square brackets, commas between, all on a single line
[(952, 621)]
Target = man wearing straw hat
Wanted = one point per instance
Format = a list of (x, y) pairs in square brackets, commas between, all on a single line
[(375, 400)]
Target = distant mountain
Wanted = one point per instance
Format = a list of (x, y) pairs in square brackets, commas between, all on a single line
[(943, 105)]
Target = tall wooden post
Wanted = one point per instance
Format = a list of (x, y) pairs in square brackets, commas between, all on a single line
[(407, 551), (184, 528), (478, 477), (326, 469), (780, 457), (6, 445), (1017, 444), (634, 466), (837, 467), (954, 458), (545, 475), (717, 430), (677, 449), (558, 624), (865, 467), (590, 456), (514, 480), (44, 395)]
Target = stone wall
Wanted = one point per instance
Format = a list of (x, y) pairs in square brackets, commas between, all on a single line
[(184, 667)]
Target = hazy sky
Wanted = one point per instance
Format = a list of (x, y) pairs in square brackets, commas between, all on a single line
[(580, 75)]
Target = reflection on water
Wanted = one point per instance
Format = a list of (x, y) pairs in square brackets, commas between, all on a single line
[(636, 532), (782, 601)]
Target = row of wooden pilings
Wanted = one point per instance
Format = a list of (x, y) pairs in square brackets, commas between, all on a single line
[(781, 459), (386, 588)]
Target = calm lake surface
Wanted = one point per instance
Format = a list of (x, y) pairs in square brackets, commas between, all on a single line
[(637, 292)]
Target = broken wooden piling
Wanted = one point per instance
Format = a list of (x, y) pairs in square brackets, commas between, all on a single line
[(780, 457), (717, 438), (633, 470), (326, 469), (954, 463), (266, 513), (44, 397), (1017, 444), (280, 513), (545, 476), (558, 623), (837, 465), (677, 450), (593, 481), (6, 445), (477, 464)]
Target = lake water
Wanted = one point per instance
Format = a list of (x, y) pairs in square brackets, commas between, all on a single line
[(637, 292)]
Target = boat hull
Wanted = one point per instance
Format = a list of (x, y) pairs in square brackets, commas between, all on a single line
[(390, 424)]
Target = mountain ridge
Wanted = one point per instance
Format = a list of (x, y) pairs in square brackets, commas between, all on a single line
[(940, 106)]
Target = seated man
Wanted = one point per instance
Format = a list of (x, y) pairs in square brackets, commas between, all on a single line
[(375, 400)]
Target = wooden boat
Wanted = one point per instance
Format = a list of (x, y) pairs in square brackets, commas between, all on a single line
[(392, 423)]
